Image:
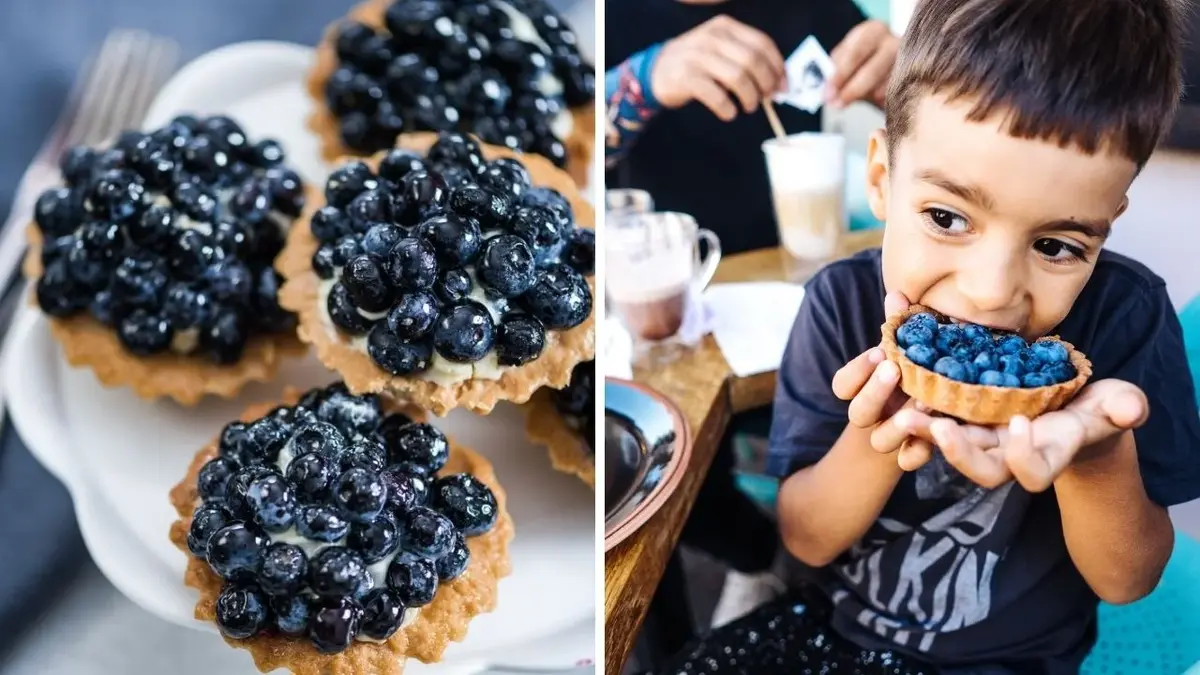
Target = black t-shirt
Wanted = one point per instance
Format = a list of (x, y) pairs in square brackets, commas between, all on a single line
[(970, 579), (690, 160)]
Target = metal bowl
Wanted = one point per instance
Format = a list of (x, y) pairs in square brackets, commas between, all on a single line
[(646, 447)]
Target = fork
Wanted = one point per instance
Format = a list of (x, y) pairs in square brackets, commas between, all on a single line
[(112, 92)]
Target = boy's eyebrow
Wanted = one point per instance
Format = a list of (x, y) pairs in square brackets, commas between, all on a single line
[(1097, 229), (972, 193)]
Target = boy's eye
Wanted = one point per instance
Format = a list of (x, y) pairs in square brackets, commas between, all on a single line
[(946, 220), (1057, 250)]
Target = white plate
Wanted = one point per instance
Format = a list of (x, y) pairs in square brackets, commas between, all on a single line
[(119, 455)]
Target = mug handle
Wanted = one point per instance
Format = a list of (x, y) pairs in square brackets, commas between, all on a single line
[(709, 266)]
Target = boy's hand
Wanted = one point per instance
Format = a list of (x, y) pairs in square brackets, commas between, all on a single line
[(719, 59), (870, 382), (1035, 452), (863, 63)]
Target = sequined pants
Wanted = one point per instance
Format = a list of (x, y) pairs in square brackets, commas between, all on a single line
[(788, 636)]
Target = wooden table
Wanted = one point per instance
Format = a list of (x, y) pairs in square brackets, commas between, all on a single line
[(702, 385)]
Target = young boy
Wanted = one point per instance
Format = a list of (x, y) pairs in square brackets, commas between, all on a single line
[(1014, 130)]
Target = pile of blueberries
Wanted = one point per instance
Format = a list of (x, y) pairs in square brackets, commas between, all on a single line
[(360, 489), (169, 231), (408, 246), (457, 65), (577, 402), (971, 353)]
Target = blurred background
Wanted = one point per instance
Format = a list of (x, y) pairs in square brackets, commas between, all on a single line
[(58, 614)]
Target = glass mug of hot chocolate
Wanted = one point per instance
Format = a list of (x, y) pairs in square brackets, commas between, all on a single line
[(808, 187), (654, 269)]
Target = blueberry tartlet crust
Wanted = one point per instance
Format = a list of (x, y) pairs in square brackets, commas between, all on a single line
[(946, 386), (153, 263), (463, 582), (554, 350), (563, 420), (574, 151)]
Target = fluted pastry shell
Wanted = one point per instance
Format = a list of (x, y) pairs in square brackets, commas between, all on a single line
[(580, 145), (978, 403), (568, 450), (185, 378), (444, 620), (564, 349)]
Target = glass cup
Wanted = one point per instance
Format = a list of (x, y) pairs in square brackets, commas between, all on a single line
[(653, 270), (808, 188), (622, 202)]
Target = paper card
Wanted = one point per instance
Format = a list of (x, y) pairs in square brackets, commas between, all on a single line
[(808, 69)]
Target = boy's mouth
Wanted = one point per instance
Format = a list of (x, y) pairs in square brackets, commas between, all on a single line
[(995, 328)]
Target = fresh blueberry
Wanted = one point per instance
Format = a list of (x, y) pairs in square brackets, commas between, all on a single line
[(207, 520), (283, 569), (455, 239), (1050, 351), (1010, 344), (365, 284), (292, 614), (948, 337), (375, 540), (1059, 371), (413, 315), (190, 252), (229, 281), (549, 198), (466, 501), (56, 248), (227, 133), (383, 613), (372, 206), (335, 624), (232, 442), (144, 333), (287, 190), (541, 229), (323, 261), (351, 414), (417, 446), (311, 474), (272, 502), (346, 249), (214, 476), (252, 201), (321, 438), (234, 551), (507, 176), (453, 285), (267, 152), (423, 193), (1012, 364), (109, 311), (560, 298), (328, 224), (577, 399), (580, 252), (913, 333), (412, 264), (321, 523), (456, 148), (347, 182), (519, 339), (235, 238), (195, 201), (264, 439), (360, 495), (507, 265), (379, 240), (238, 485), (398, 356), (414, 582), (343, 313), (985, 360), (57, 294), (974, 332), (268, 315), (464, 332), (489, 208), (427, 533), (1034, 380), (995, 378), (364, 454), (952, 368), (398, 163), (119, 194), (241, 612), (76, 164), (335, 572), (58, 211), (224, 339), (405, 488), (140, 281), (454, 563)]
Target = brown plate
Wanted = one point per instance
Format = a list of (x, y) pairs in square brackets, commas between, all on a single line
[(646, 447)]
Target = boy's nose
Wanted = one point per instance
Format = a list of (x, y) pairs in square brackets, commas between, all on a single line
[(991, 286)]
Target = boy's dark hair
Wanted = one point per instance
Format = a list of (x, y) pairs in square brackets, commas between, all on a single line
[(1091, 73)]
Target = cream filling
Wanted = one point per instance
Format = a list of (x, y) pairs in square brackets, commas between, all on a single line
[(378, 570), (441, 371)]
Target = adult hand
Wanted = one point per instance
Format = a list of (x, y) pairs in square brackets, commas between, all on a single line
[(863, 63), (871, 383), (716, 62)]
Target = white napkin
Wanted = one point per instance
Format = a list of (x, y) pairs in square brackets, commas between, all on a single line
[(616, 348), (752, 321)]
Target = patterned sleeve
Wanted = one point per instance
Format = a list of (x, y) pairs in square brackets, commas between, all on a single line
[(631, 103)]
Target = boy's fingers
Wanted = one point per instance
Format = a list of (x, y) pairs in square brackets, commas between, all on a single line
[(894, 431), (914, 453), (1029, 467), (850, 378), (867, 407), (983, 468)]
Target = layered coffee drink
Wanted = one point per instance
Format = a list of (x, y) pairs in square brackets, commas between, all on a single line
[(808, 183), (811, 220)]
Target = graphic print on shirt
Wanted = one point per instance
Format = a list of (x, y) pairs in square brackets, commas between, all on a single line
[(910, 584)]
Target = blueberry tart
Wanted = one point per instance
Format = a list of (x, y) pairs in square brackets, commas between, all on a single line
[(507, 71), (978, 375), (447, 274), (154, 261), (564, 420), (331, 534)]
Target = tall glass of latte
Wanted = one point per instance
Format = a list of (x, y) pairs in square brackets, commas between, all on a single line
[(808, 187)]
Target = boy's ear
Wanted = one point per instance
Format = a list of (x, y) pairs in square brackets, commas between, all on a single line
[(877, 174)]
